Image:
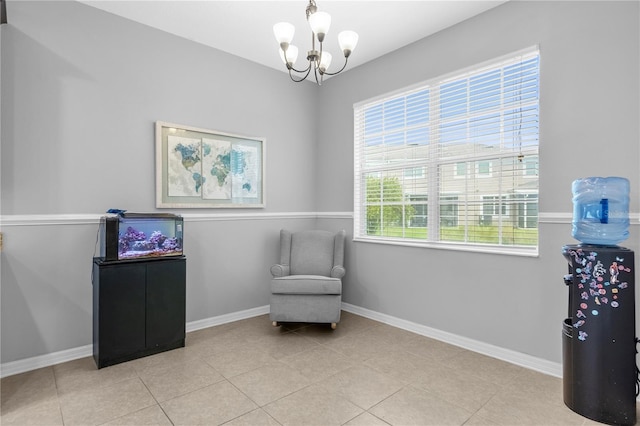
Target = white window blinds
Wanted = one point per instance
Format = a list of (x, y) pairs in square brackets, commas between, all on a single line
[(454, 160)]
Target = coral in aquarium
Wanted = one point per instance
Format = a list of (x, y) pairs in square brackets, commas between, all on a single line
[(123, 245), (134, 235), (170, 244), (125, 241), (157, 238), (143, 246)]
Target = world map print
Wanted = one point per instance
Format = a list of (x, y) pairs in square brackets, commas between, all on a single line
[(184, 168), (211, 169), (217, 167), (244, 167)]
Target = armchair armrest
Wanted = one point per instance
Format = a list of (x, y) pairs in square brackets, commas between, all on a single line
[(338, 271), (279, 270)]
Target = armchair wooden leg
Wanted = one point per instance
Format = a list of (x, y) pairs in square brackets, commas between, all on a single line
[(275, 323), (334, 325)]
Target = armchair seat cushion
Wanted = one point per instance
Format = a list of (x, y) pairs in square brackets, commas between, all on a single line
[(306, 284)]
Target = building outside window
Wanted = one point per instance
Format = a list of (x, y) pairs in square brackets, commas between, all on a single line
[(492, 207), (454, 160)]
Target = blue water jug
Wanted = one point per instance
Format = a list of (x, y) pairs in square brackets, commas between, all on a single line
[(600, 210)]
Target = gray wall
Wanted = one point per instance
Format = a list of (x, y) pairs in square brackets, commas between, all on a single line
[(81, 90), (589, 109)]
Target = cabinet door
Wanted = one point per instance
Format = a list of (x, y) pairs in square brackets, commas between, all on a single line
[(121, 310), (165, 302)]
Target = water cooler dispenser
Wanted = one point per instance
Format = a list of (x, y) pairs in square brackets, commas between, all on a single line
[(599, 337)]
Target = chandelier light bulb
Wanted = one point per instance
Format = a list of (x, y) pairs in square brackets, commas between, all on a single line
[(284, 32), (292, 55), (325, 61), (320, 23), (289, 58), (348, 41)]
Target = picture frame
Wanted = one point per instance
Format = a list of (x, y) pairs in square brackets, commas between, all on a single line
[(200, 168)]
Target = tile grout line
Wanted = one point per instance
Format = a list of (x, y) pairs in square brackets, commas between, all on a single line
[(154, 398), (259, 407), (55, 383)]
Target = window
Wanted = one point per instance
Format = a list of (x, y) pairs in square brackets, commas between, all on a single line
[(419, 203), (531, 167), (494, 205), (414, 172), (483, 168), (527, 209), (453, 161)]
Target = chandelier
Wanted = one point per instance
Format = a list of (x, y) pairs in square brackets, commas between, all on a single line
[(319, 60)]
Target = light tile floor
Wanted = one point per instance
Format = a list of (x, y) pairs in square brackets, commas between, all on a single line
[(251, 373)]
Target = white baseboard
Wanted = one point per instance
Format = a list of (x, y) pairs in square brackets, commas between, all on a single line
[(223, 319), (518, 358), (28, 364), (527, 361)]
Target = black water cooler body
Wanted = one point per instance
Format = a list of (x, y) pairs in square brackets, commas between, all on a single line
[(599, 354)]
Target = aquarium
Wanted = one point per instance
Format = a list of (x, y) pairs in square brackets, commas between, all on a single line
[(140, 235)]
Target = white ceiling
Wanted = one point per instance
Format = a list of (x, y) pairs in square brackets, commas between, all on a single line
[(245, 28)]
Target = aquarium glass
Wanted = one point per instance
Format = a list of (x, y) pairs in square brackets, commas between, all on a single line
[(155, 237)]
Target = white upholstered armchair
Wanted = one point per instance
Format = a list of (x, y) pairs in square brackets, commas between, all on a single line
[(307, 282)]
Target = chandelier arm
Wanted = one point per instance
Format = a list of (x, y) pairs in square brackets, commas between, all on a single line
[(315, 73), (341, 69), (303, 78), (316, 68), (300, 71), (319, 58)]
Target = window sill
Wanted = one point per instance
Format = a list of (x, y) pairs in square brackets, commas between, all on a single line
[(476, 248)]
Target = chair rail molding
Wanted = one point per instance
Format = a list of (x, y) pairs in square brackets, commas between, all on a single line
[(94, 218)]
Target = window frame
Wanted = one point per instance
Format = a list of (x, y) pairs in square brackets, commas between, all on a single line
[(434, 167)]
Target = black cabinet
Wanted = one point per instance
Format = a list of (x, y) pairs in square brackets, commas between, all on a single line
[(138, 308)]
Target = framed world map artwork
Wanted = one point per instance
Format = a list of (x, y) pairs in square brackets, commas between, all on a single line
[(198, 168)]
